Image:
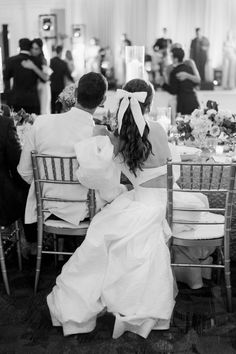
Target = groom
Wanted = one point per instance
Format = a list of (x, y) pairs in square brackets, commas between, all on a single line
[(56, 134)]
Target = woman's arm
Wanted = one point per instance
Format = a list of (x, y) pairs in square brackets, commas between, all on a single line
[(195, 77), (28, 64)]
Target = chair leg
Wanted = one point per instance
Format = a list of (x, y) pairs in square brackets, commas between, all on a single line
[(39, 254), (55, 248), (18, 245), (3, 266), (60, 248), (219, 261), (228, 285)]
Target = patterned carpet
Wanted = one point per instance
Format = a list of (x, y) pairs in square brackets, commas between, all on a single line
[(200, 323)]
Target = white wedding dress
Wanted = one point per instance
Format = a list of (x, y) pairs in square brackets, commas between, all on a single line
[(123, 265)]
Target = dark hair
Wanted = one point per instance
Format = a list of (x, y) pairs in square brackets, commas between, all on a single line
[(134, 148), (68, 55), (197, 29), (91, 90), (25, 44), (178, 53), (5, 110), (59, 49), (39, 43)]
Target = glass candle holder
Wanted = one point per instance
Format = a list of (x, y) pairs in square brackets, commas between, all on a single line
[(219, 149), (134, 59)]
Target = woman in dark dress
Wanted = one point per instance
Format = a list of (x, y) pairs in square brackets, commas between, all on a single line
[(184, 89)]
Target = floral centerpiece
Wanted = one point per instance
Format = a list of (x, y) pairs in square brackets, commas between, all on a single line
[(21, 117), (23, 122), (110, 121), (67, 97), (209, 122)]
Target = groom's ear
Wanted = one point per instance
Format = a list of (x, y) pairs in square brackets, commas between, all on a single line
[(103, 100)]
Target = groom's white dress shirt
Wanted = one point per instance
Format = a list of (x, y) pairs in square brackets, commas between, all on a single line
[(56, 134)]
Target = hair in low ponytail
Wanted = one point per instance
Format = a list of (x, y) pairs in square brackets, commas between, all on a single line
[(134, 148)]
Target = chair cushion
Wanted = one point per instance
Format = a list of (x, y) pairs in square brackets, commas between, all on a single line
[(187, 200), (199, 232), (65, 224)]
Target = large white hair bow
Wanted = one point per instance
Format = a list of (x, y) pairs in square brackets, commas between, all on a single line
[(135, 98)]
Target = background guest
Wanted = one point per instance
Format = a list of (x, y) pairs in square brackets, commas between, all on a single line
[(229, 62), (199, 52), (44, 91), (121, 68), (59, 76), (70, 62), (25, 70), (186, 95), (92, 57)]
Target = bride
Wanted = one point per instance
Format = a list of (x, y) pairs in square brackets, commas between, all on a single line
[(123, 266)]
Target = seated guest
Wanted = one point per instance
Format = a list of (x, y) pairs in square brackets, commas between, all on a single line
[(57, 134), (124, 262), (60, 76), (13, 190), (184, 89)]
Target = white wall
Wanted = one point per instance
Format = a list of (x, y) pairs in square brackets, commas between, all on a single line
[(22, 17)]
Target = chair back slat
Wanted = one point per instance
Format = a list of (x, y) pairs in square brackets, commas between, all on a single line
[(201, 177), (53, 166), (62, 169), (170, 191), (45, 168), (220, 176), (210, 177), (191, 177), (181, 181), (71, 169)]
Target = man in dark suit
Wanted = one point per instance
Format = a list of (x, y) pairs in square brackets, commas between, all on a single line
[(25, 71), (199, 52), (162, 43), (184, 89), (60, 74)]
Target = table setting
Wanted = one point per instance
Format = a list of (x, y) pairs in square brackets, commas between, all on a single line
[(211, 131)]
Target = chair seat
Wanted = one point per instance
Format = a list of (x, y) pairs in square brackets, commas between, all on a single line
[(65, 224), (200, 232), (61, 227)]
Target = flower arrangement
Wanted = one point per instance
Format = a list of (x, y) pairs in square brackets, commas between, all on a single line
[(110, 120), (67, 97), (209, 122), (21, 117), (23, 122)]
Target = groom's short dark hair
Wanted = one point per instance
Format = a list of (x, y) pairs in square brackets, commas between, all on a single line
[(25, 44), (91, 90)]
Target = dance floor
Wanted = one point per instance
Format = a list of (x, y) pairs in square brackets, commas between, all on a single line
[(225, 98), (200, 323)]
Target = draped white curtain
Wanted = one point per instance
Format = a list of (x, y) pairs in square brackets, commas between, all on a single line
[(143, 21)]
